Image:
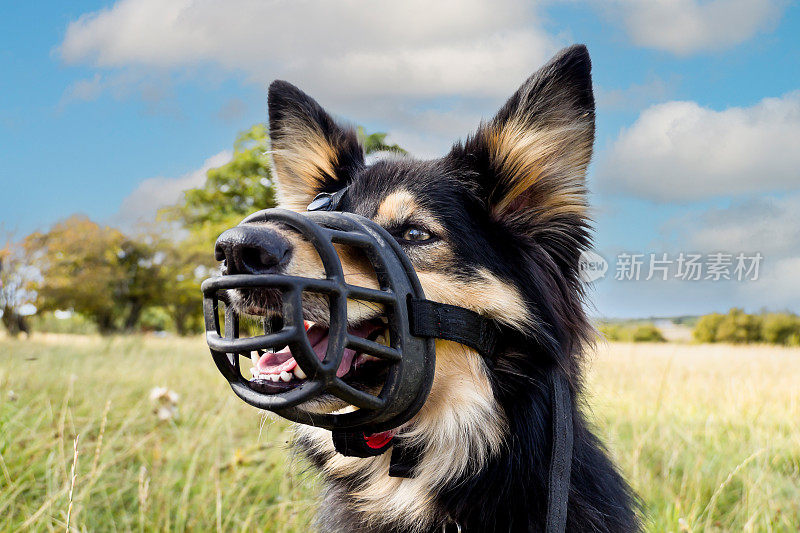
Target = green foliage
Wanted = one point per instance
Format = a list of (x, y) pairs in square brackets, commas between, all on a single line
[(183, 265), (97, 271), (781, 328), (707, 326), (612, 332), (631, 332), (156, 318), (83, 267), (376, 142), (738, 327), (230, 192), (647, 333), (17, 282)]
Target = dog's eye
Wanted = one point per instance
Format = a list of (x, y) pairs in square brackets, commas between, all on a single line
[(415, 234)]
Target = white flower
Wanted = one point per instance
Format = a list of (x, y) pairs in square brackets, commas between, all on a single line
[(166, 403)]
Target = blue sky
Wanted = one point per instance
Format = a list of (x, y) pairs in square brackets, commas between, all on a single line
[(110, 109)]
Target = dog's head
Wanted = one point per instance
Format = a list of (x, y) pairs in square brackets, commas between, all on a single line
[(496, 226)]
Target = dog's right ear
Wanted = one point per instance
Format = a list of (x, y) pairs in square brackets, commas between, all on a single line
[(529, 162), (311, 152), (531, 158)]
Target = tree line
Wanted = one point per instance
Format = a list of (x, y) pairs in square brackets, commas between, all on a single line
[(738, 327), (733, 327), (148, 279)]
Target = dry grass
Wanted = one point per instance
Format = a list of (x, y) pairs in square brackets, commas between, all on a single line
[(707, 434)]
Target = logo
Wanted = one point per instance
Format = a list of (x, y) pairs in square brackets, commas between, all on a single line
[(592, 266)]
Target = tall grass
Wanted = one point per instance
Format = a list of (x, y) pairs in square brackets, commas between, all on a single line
[(707, 434), (218, 465)]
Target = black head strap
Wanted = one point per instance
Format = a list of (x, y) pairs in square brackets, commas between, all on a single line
[(448, 322)]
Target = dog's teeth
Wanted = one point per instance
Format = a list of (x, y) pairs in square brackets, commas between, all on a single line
[(286, 376), (381, 340), (254, 371), (272, 377), (298, 372), (254, 357)]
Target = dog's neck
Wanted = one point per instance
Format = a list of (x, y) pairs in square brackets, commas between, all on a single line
[(457, 431), (483, 462)]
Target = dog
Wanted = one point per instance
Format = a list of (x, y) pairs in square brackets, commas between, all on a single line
[(496, 226)]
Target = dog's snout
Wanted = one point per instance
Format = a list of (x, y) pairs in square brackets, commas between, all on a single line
[(252, 250)]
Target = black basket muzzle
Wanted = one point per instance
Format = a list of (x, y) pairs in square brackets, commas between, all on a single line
[(410, 358)]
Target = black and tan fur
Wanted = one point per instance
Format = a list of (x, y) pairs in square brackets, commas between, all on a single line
[(507, 209)]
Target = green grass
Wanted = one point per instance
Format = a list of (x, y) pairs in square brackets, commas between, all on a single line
[(708, 435), (218, 465)]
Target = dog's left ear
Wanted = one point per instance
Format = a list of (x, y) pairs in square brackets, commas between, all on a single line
[(312, 153), (531, 158)]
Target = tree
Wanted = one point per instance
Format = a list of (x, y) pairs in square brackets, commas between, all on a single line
[(144, 282), (707, 326), (184, 265), (95, 270), (17, 279), (780, 328), (230, 192), (376, 142), (647, 333), (739, 327)]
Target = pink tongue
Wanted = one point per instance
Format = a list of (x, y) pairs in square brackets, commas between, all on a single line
[(275, 363)]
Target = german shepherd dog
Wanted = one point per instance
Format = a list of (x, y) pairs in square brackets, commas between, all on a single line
[(496, 226)]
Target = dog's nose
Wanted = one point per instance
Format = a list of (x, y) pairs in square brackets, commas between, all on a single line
[(252, 250)]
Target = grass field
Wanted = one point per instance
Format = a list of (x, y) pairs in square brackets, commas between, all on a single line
[(708, 435)]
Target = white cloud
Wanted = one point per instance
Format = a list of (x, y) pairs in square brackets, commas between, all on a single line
[(406, 67), (680, 151), (778, 287), (770, 225), (424, 131), (87, 89), (343, 50), (154, 193), (636, 96), (688, 26), (767, 225)]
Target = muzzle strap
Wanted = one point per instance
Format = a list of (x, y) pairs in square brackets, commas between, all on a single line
[(560, 454), (433, 320), (458, 324)]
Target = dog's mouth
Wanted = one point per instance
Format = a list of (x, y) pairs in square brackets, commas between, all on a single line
[(277, 371)]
